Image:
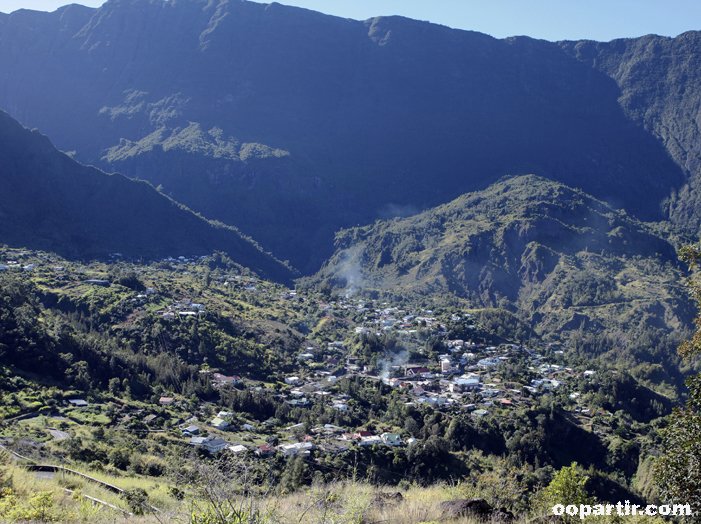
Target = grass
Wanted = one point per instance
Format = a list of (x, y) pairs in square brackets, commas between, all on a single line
[(333, 503), (157, 490)]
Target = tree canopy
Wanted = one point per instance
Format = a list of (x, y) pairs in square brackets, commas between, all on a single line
[(678, 471)]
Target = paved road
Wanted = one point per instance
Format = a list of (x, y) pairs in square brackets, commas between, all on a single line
[(58, 435)]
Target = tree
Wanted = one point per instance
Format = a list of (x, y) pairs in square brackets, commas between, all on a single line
[(137, 500), (568, 486), (293, 475), (114, 386), (678, 470)]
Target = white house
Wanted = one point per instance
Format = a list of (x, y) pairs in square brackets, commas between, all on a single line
[(391, 439), (369, 441), (210, 443)]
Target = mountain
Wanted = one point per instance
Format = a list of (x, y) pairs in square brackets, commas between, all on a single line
[(49, 201), (660, 90), (290, 124), (571, 266)]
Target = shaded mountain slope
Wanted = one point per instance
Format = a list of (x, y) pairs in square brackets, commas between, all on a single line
[(661, 90), (570, 265), (290, 124), (49, 201)]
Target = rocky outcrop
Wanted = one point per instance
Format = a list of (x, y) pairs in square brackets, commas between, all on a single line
[(476, 508)]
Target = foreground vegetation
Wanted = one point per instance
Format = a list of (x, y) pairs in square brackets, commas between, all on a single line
[(229, 490)]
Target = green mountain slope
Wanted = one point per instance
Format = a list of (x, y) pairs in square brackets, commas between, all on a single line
[(290, 124), (568, 264), (49, 201)]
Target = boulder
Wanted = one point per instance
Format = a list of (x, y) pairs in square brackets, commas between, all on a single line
[(476, 508)]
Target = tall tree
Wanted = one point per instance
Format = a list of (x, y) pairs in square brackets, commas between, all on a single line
[(678, 470)]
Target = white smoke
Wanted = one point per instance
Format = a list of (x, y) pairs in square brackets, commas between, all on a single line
[(389, 361), (350, 270)]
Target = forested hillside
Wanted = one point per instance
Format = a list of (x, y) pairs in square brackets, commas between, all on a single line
[(567, 264), (49, 201)]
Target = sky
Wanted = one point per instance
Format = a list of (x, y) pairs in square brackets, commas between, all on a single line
[(553, 20)]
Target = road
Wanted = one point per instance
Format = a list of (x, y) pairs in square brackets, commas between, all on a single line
[(58, 435)]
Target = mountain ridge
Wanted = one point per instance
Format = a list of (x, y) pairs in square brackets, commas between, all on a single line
[(376, 115), (565, 263), (49, 201)]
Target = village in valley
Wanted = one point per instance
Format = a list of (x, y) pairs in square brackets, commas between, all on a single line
[(141, 369), (409, 350)]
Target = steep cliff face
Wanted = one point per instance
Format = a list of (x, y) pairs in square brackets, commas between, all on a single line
[(49, 201), (661, 91), (290, 124)]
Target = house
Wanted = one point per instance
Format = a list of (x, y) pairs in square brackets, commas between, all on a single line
[(292, 381), (222, 380), (334, 448), (391, 439), (298, 402), (191, 430), (338, 406), (330, 428), (166, 401), (547, 383), (446, 366), (78, 402), (488, 362), (299, 448), (210, 443), (309, 388), (418, 391), (215, 445), (412, 372), (95, 282), (369, 441), (265, 450), (219, 423), (237, 448)]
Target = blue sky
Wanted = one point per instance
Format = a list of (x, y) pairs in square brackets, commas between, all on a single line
[(553, 20)]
